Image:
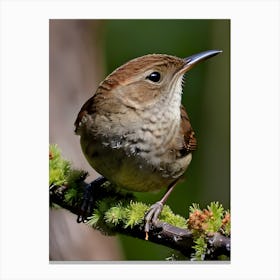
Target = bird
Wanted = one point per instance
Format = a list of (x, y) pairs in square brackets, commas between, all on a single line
[(134, 130)]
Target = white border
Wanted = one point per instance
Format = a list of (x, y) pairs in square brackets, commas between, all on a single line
[(254, 137)]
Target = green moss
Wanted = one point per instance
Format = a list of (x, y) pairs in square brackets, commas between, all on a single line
[(61, 173), (168, 216), (58, 168), (117, 208), (200, 248), (204, 223), (135, 214), (214, 221), (116, 214)]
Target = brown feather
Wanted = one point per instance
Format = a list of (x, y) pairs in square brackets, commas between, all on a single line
[(190, 143), (121, 76), (87, 109)]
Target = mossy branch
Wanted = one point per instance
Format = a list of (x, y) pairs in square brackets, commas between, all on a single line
[(205, 235)]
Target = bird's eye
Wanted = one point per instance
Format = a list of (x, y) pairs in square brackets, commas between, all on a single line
[(154, 77)]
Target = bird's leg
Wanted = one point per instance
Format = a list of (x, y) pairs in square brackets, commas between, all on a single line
[(88, 199), (151, 217)]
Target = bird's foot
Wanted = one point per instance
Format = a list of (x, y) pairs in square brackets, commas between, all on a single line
[(151, 217), (87, 204)]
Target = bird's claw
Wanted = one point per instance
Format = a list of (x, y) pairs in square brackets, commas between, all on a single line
[(87, 204), (151, 217), (88, 200)]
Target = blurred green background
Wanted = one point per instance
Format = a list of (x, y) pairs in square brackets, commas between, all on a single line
[(206, 98)]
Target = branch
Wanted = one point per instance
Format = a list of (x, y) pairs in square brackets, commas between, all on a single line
[(115, 211), (163, 233)]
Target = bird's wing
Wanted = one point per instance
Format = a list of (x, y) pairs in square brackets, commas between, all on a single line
[(88, 108), (189, 140)]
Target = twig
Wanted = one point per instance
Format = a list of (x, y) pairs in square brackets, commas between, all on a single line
[(163, 233)]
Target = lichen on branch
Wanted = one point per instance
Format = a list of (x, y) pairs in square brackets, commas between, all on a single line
[(117, 211)]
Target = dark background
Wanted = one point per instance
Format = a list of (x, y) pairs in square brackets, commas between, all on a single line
[(206, 98)]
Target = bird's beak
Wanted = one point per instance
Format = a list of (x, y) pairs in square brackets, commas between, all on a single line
[(192, 60)]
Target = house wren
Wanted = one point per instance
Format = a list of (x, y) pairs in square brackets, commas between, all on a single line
[(134, 130)]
